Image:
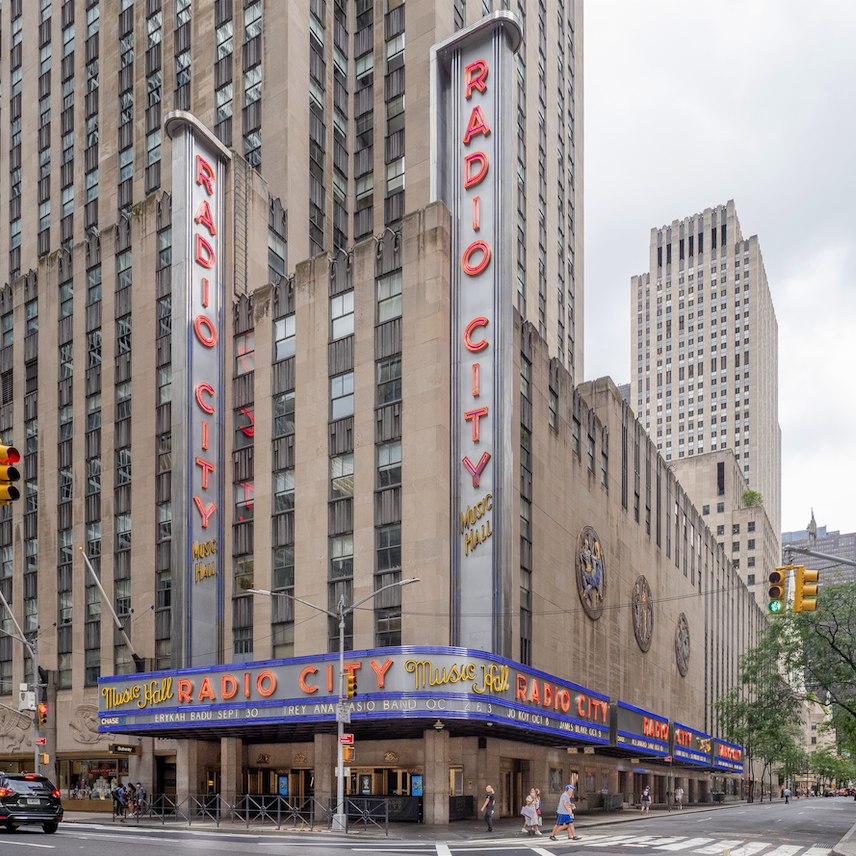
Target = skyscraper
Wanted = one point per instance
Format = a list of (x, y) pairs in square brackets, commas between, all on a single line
[(705, 355), (228, 358)]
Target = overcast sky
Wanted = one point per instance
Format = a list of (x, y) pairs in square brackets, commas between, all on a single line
[(689, 104)]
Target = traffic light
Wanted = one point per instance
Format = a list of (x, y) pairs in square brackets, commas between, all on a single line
[(44, 759), (9, 473), (776, 584), (351, 689), (804, 595), (42, 711), (348, 754)]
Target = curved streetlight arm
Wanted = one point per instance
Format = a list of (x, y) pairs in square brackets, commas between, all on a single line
[(353, 606), (286, 594)]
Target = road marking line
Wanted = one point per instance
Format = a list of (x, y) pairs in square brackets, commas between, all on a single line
[(443, 850), (542, 852), (609, 841), (750, 848), (784, 850), (687, 843), (716, 849), (28, 844), (817, 851)]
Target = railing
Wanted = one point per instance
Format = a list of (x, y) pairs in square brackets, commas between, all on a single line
[(258, 809)]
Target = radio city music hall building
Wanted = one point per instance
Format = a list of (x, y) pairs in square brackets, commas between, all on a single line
[(380, 411)]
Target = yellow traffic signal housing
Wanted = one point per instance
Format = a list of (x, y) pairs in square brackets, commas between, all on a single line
[(776, 586), (804, 595), (42, 710), (351, 689), (44, 759), (9, 456), (348, 754)]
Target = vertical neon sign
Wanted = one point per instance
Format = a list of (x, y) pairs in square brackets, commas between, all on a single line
[(472, 162), (199, 170)]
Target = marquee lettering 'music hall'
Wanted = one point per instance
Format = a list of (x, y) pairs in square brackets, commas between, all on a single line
[(293, 315)]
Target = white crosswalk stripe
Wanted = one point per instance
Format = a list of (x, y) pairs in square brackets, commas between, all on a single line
[(784, 850), (750, 848), (686, 844), (817, 851), (718, 847)]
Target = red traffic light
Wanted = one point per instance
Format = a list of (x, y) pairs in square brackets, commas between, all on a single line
[(9, 454), (42, 711)]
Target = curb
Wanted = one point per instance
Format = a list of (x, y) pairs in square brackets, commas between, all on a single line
[(846, 846)]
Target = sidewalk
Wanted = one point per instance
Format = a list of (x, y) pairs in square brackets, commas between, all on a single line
[(460, 830)]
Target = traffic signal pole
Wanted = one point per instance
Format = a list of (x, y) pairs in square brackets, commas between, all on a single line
[(34, 650)]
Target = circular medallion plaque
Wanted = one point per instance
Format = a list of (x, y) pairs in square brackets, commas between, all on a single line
[(643, 613), (682, 644), (591, 573)]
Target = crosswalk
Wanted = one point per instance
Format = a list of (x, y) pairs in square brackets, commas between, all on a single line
[(695, 845)]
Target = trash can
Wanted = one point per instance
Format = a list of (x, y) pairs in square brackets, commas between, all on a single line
[(718, 796)]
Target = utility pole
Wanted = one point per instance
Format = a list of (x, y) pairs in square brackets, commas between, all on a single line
[(34, 650)]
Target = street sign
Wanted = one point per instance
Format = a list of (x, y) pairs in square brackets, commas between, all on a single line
[(343, 714), (346, 739), (668, 758), (346, 771), (41, 741)]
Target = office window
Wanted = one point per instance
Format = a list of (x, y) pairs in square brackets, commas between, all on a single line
[(164, 380), (389, 380), (341, 557), (245, 427), (553, 411), (389, 464), (389, 548), (282, 639), (123, 465), (751, 561), (705, 509), (153, 88), (164, 521), (164, 452), (165, 315), (93, 538), (283, 491), (66, 425), (92, 657), (123, 532), (93, 475), (252, 20), (92, 20), (123, 269), (163, 590), (276, 254), (389, 297), (93, 411), (7, 329), (182, 68), (395, 175), (342, 475), (751, 544), (245, 355), (342, 396), (735, 546), (153, 143), (283, 414), (164, 248), (283, 337), (342, 315), (244, 501), (283, 568), (244, 572), (31, 432), (223, 40), (720, 507), (123, 334), (123, 400), (126, 50), (66, 485)]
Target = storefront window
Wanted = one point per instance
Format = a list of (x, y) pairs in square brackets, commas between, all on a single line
[(91, 780)]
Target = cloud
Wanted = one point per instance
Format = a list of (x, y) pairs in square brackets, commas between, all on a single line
[(688, 105)]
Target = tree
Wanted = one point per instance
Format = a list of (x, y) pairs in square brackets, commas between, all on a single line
[(752, 499), (759, 713)]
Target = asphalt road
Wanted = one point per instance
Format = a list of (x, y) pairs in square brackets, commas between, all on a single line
[(803, 828)]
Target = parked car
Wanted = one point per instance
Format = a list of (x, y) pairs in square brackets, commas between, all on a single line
[(27, 798)]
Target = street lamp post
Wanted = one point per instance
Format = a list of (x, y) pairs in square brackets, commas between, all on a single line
[(34, 650), (340, 820)]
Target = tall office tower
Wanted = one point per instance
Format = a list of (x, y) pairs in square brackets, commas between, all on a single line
[(705, 356), (833, 544)]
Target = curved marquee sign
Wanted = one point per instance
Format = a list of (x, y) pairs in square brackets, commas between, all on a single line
[(639, 730), (393, 682), (690, 746), (726, 756)]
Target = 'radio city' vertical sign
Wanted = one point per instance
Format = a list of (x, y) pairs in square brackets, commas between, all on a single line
[(473, 130), (199, 169)]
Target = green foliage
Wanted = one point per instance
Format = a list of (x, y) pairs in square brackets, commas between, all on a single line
[(752, 499)]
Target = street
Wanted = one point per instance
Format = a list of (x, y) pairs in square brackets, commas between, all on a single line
[(803, 828)]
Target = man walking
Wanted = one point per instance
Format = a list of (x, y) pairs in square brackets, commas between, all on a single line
[(646, 800), (787, 795), (487, 807), (679, 797), (565, 816)]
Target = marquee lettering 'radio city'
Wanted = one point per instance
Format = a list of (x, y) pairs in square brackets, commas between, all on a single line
[(199, 170), (472, 110)]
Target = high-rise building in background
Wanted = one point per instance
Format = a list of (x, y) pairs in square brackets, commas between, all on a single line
[(841, 546), (226, 354), (705, 372)]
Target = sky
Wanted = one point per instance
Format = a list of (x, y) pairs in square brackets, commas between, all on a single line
[(689, 104)]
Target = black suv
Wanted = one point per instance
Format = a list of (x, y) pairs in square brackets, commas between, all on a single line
[(28, 798)]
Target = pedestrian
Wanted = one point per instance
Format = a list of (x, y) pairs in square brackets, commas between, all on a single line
[(565, 816), (646, 800), (487, 807), (530, 818), (538, 810), (141, 798), (120, 803), (679, 797), (787, 795)]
